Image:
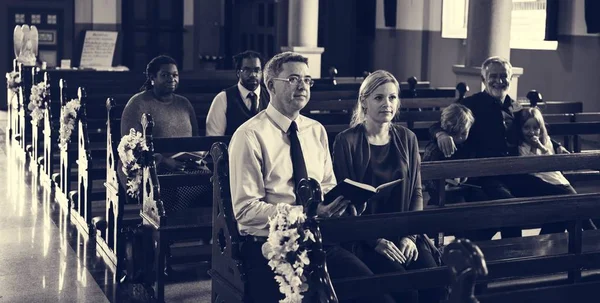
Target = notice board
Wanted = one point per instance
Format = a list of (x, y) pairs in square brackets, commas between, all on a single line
[(98, 49)]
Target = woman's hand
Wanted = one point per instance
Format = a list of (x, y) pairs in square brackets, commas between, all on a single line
[(390, 250), (409, 249)]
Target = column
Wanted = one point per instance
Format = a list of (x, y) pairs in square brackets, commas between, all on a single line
[(488, 34), (303, 28)]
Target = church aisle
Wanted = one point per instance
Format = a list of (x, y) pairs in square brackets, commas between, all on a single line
[(37, 264)]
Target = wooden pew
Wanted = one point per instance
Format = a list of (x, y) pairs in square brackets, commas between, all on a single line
[(469, 217), (24, 120), (61, 180), (168, 225), (467, 264), (12, 100), (119, 214), (229, 280), (51, 154), (37, 144), (89, 199), (439, 171)]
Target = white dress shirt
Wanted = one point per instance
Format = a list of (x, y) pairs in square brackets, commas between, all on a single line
[(260, 166), (216, 120), (552, 177)]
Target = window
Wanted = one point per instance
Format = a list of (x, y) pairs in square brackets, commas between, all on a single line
[(528, 24)]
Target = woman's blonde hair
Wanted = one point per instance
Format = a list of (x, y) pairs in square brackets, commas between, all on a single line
[(525, 114), (368, 86)]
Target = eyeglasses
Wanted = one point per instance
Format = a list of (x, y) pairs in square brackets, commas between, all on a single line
[(295, 80), (249, 71)]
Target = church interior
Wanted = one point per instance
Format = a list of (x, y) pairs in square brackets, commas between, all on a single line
[(98, 207)]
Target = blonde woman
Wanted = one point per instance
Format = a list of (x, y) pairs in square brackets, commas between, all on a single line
[(375, 151)]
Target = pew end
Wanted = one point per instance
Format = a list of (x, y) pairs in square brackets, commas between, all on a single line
[(176, 205), (467, 263), (227, 273)]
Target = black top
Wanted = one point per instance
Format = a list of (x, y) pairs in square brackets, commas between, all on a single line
[(385, 166), (492, 134), (237, 112)]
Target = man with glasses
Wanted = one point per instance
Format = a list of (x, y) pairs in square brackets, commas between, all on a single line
[(240, 102), (267, 159)]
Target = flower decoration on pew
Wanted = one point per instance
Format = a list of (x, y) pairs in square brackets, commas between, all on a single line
[(36, 101), (130, 151), (286, 250), (13, 80), (68, 116)]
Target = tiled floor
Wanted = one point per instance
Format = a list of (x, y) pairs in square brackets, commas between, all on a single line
[(37, 264), (43, 258)]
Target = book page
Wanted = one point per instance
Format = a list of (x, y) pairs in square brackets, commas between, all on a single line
[(391, 183), (360, 185)]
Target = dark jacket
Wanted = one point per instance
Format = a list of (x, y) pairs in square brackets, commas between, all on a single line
[(351, 156), (493, 133)]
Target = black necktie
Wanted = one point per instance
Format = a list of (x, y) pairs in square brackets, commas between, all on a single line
[(296, 152), (253, 103)]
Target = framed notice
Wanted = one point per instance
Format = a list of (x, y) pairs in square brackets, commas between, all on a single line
[(98, 49)]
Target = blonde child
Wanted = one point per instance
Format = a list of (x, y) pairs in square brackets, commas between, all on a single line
[(534, 140)]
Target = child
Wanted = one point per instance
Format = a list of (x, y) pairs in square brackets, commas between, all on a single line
[(456, 121), (534, 140)]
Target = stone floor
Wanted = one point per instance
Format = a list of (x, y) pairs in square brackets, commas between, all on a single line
[(43, 258)]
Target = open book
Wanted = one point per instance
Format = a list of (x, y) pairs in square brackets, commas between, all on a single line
[(458, 184), (357, 192), (189, 156)]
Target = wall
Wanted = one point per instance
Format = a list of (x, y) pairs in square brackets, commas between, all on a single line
[(101, 15), (6, 37), (415, 47), (572, 72)]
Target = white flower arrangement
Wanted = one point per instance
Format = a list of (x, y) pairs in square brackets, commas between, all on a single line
[(286, 251), (130, 151), (36, 101), (68, 115), (13, 80)]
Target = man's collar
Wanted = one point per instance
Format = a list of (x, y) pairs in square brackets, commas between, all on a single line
[(508, 101), (280, 119), (244, 91)]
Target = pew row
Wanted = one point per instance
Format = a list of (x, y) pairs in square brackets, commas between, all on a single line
[(467, 264), (163, 213), (229, 279)]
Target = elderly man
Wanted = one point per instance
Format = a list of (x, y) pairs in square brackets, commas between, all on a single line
[(267, 159), (492, 134)]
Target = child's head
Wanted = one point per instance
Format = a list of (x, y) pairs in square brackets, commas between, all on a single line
[(530, 123), (456, 121)]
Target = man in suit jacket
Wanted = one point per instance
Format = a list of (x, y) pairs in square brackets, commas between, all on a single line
[(240, 102)]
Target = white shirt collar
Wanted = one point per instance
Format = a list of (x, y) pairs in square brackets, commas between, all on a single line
[(280, 119), (244, 91)]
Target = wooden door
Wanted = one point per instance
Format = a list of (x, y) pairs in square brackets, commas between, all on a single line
[(259, 25), (151, 28)]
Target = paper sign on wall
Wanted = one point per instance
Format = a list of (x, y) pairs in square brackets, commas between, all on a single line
[(98, 49)]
